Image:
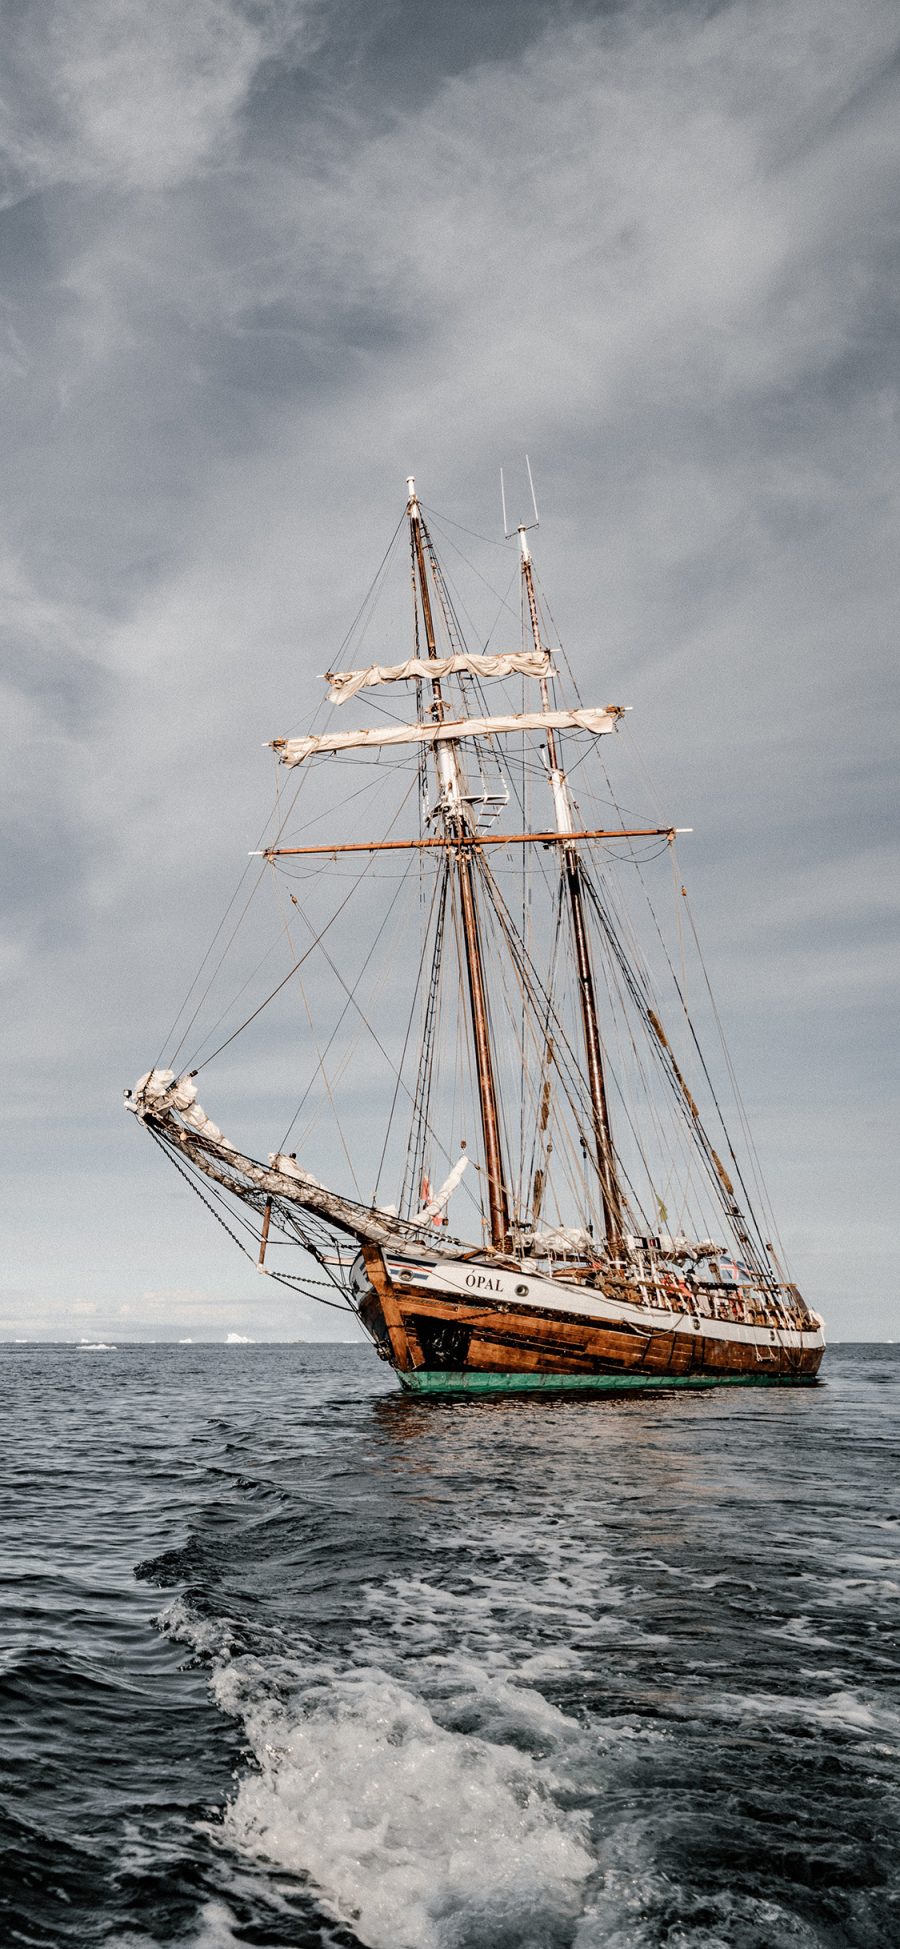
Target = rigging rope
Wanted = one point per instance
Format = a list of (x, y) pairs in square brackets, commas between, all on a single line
[(205, 1199), (283, 983)]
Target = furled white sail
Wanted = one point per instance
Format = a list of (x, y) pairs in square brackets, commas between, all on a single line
[(434, 1205), (561, 1239), (160, 1090), (169, 1105), (293, 751), (507, 663)]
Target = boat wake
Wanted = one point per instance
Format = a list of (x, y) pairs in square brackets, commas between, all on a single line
[(440, 1799), (417, 1833)]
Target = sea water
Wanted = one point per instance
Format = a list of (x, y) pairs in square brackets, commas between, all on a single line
[(288, 1658)]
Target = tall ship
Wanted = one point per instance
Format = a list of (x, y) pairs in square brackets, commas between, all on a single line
[(496, 1036)]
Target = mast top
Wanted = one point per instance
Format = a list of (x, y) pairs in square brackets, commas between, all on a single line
[(411, 496)]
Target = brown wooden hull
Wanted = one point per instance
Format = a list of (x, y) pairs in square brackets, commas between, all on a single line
[(441, 1342)]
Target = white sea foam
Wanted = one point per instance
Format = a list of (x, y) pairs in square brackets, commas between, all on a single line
[(411, 1831), (640, 1911), (838, 1711)]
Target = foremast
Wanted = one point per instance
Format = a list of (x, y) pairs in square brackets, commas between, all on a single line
[(610, 1192), (456, 820)]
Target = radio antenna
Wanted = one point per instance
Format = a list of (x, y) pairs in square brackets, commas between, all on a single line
[(522, 527), (537, 519)]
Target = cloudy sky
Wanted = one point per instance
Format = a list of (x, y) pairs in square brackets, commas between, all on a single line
[(261, 259)]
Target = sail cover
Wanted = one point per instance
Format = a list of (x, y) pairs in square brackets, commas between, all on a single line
[(293, 751), (513, 663)]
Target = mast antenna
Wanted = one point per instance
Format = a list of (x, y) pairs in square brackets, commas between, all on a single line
[(522, 527)]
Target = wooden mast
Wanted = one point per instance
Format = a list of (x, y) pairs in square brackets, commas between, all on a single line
[(606, 1162), (454, 816)]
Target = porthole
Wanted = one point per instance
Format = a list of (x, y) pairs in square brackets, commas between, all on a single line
[(696, 1325), (521, 1292)]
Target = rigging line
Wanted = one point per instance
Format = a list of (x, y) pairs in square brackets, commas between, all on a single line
[(569, 1072), (755, 1161), (421, 1128), (374, 880), (350, 997), (681, 991), (491, 540), (751, 1214), (372, 585), (539, 1140), (319, 1058), (250, 1018), (754, 1158), (350, 1050), (369, 785), (539, 998), (304, 1237), (218, 967), (230, 942), (438, 901), (205, 1200), (431, 1048), (459, 600), (285, 1279), (535, 1028), (556, 636), (282, 984), (285, 805), (739, 1219), (502, 599), (452, 624), (234, 999), (420, 1121), (171, 1031), (466, 1091), (618, 1016)]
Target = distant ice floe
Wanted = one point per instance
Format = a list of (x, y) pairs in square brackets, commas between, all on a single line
[(239, 1340), (96, 1346)]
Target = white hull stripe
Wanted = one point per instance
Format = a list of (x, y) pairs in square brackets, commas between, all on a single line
[(524, 1290)]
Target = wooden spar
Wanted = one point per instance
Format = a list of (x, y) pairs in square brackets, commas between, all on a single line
[(476, 839), (264, 1235), (610, 1192), (451, 800)]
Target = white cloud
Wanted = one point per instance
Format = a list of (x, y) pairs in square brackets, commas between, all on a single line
[(138, 96)]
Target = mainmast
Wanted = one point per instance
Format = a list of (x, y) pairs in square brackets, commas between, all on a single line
[(455, 820), (571, 865)]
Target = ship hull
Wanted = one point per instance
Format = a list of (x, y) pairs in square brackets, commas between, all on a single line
[(470, 1327), (475, 1381)]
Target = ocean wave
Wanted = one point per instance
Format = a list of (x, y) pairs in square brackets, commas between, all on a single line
[(415, 1834)]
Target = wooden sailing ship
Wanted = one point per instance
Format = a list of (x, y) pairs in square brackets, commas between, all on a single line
[(567, 1272)]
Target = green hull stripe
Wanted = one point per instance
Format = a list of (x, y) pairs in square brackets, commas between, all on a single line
[(435, 1380)]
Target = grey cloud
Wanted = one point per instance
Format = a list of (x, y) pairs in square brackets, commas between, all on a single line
[(253, 288)]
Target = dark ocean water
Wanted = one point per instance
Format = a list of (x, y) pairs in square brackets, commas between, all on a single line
[(289, 1659)]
